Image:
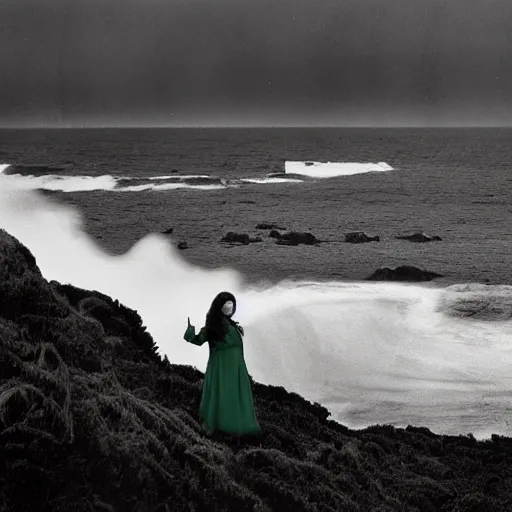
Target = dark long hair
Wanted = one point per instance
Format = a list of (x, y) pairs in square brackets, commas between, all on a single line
[(216, 325)]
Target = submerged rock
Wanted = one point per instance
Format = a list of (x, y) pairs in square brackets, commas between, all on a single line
[(419, 237), (402, 273), (239, 238), (359, 237), (296, 238)]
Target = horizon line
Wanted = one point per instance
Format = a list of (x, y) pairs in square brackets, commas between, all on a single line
[(249, 127)]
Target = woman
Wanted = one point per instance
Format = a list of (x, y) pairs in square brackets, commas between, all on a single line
[(226, 401)]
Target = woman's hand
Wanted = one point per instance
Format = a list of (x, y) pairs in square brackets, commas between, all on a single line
[(190, 332)]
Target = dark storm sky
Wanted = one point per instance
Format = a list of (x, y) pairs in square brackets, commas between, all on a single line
[(255, 62)]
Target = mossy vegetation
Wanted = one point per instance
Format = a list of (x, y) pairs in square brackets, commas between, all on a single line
[(93, 419)]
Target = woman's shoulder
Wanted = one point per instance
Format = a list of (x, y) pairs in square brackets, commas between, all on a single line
[(237, 327)]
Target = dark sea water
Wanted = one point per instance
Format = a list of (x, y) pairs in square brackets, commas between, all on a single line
[(235, 152), (456, 183)]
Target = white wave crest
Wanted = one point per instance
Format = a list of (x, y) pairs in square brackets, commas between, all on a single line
[(270, 180), (333, 169)]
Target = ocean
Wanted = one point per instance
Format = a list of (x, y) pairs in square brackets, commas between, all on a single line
[(435, 354)]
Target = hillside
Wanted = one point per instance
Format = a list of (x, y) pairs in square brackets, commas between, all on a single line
[(92, 418)]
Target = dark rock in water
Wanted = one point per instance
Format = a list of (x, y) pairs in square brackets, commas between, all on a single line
[(168, 231), (182, 246), (35, 169), (402, 273), (359, 237), (239, 238), (265, 225), (200, 180), (296, 238), (274, 234), (419, 237), (173, 171)]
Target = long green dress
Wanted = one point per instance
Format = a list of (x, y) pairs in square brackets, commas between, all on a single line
[(226, 401)]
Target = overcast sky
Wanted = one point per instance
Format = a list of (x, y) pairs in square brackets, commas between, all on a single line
[(255, 62)]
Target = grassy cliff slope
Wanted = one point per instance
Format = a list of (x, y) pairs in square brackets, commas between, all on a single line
[(92, 419)]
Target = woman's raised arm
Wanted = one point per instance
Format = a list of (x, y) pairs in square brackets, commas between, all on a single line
[(191, 336)]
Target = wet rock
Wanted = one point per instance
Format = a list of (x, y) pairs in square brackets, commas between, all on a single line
[(182, 246), (359, 237), (296, 238), (402, 273), (168, 231), (419, 237), (239, 238)]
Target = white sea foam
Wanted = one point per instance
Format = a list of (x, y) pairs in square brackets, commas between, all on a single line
[(333, 169), (270, 180), (107, 182), (371, 352), (62, 183), (177, 177)]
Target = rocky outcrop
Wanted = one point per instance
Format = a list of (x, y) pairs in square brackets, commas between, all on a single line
[(239, 238), (360, 237), (419, 237), (402, 273)]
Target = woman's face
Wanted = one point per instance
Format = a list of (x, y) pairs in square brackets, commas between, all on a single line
[(227, 309)]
